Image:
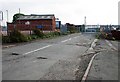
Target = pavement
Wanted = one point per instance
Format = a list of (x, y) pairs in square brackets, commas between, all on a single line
[(105, 64), (55, 59)]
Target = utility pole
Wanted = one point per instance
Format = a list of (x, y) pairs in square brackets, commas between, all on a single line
[(19, 15), (19, 10), (85, 23)]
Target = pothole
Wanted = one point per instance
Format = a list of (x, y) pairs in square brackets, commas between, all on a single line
[(42, 58), (15, 53)]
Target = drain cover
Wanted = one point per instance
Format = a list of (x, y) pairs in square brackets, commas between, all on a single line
[(41, 58)]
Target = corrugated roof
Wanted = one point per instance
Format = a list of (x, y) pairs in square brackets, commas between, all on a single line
[(34, 16)]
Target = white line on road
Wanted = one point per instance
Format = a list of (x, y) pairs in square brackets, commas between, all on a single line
[(37, 49), (66, 40), (111, 45)]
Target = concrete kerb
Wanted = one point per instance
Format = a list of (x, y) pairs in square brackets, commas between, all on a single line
[(90, 50), (93, 44)]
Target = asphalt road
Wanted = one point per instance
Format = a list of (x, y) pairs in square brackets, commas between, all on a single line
[(54, 59)]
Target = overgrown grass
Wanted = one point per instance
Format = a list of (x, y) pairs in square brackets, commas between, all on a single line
[(15, 36), (52, 34)]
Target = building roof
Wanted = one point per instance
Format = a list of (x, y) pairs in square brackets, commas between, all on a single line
[(34, 16)]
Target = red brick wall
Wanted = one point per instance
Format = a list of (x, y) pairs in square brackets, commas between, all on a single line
[(53, 24), (48, 25)]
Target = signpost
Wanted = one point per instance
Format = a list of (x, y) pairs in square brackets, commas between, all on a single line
[(39, 26)]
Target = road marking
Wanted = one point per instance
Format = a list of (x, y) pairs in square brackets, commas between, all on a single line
[(111, 45), (37, 49), (66, 40)]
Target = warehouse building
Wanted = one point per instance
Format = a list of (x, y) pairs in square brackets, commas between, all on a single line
[(29, 22)]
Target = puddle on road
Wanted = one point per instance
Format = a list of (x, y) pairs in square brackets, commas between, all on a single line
[(42, 58)]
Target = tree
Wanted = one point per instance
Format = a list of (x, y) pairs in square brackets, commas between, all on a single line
[(16, 16)]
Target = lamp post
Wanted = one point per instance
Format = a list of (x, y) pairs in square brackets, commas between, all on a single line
[(85, 22)]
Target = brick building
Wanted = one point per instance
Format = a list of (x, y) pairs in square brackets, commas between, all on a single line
[(29, 22)]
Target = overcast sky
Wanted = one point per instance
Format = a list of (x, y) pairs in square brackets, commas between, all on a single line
[(68, 11)]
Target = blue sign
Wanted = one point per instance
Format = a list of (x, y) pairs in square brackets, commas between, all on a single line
[(39, 26)]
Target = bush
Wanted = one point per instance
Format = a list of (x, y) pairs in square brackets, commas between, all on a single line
[(56, 33), (51, 34), (73, 31), (29, 38), (48, 35), (16, 36), (64, 33), (34, 36), (5, 39), (38, 33)]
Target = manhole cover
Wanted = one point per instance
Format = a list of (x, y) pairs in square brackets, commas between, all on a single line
[(41, 58)]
